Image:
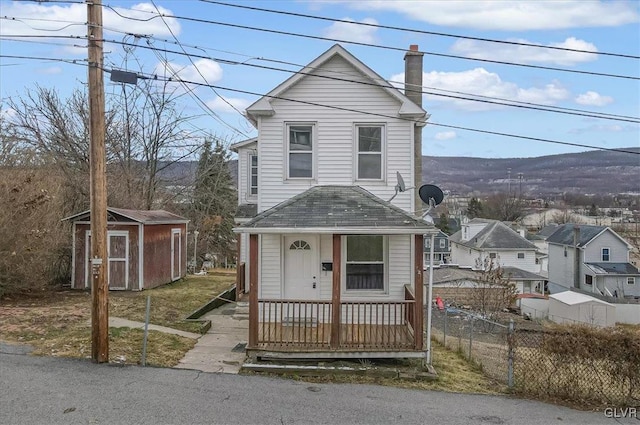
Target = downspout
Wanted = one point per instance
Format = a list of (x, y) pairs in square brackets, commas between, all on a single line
[(576, 257), (413, 90)]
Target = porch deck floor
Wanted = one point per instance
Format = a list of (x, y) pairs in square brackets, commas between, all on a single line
[(277, 336)]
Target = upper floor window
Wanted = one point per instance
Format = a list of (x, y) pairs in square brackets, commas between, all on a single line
[(520, 255), (606, 253), (443, 243), (300, 151), (253, 175), (369, 158), (588, 279), (492, 255), (631, 281)]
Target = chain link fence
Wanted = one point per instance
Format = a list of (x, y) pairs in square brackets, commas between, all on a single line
[(587, 365)]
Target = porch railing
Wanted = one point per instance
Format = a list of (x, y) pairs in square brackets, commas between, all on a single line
[(364, 325)]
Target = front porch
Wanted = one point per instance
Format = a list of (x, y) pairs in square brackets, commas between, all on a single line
[(306, 326)]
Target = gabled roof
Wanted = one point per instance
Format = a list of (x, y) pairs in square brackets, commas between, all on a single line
[(495, 235), (263, 105), (614, 268), (336, 209), (139, 216), (234, 147), (564, 234)]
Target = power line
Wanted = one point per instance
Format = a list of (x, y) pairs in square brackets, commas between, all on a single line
[(413, 30), (510, 103), (495, 133), (198, 70), (379, 46)]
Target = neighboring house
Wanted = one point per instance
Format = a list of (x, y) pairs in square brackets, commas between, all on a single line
[(539, 239), (145, 249), (591, 258), (441, 249), (333, 267)]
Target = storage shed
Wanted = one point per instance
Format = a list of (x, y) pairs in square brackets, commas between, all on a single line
[(574, 307), (145, 249)]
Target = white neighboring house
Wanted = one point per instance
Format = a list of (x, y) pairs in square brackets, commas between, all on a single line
[(483, 241), (333, 268), (601, 264)]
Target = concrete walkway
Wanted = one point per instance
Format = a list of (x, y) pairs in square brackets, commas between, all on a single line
[(119, 322), (221, 349)]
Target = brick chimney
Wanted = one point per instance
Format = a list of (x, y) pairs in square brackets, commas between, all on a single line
[(413, 90)]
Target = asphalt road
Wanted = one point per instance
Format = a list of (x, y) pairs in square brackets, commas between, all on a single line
[(42, 390)]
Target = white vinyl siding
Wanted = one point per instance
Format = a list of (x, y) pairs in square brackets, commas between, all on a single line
[(334, 134), (270, 267), (244, 161), (618, 250), (253, 176)]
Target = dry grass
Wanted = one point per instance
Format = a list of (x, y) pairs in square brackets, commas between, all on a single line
[(59, 324), (455, 374)]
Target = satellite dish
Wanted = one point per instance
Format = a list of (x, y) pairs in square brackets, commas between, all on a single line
[(400, 186), (431, 194)]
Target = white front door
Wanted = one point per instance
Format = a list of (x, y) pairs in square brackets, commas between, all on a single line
[(301, 267)]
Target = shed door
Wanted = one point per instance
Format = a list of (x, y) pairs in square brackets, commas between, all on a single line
[(176, 254), (118, 249)]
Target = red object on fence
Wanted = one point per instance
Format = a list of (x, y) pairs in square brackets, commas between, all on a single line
[(439, 303)]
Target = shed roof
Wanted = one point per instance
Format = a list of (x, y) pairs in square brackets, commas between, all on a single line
[(614, 268), (494, 235), (575, 298), (140, 216), (349, 209)]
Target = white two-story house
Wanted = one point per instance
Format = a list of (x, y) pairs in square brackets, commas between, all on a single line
[(332, 265), (482, 241), (591, 258)]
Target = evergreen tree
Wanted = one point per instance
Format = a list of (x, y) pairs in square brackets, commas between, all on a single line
[(214, 203), (443, 224), (474, 209)]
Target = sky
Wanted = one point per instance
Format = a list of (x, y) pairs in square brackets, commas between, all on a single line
[(201, 43)]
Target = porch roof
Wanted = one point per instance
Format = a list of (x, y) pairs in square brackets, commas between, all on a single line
[(335, 209)]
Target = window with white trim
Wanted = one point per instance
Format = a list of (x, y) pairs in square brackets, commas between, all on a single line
[(253, 175), (300, 140), (606, 254), (631, 281), (443, 243), (492, 255), (520, 255), (369, 148), (588, 279), (365, 263)]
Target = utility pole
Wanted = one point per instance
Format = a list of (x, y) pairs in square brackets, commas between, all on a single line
[(509, 181), (99, 259)]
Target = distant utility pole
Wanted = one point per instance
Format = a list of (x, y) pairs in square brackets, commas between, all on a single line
[(520, 177), (99, 255), (509, 181)]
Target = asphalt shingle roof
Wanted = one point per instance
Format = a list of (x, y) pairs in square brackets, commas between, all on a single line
[(495, 235), (140, 216), (564, 234), (615, 268), (336, 206), (246, 211)]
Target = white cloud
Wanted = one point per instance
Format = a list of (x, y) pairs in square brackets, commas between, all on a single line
[(481, 82), (525, 54), (219, 105), (604, 128), (510, 15), (202, 71), (446, 135), (352, 32), (592, 98), (50, 71)]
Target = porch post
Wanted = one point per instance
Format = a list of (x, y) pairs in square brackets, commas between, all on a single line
[(419, 291), (253, 291), (335, 292), (239, 277)]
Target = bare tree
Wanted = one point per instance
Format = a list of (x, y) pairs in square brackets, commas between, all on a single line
[(503, 207), (494, 290)]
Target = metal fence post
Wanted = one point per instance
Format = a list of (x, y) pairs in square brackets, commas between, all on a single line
[(470, 337), (444, 339), (510, 341), (146, 332)]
